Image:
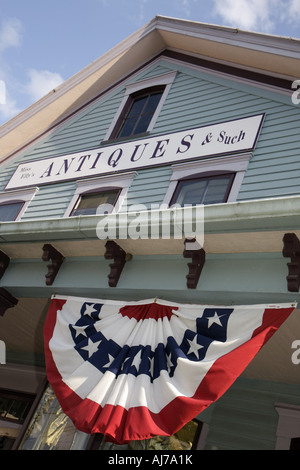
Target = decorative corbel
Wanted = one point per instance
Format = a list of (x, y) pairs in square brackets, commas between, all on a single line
[(115, 252), (50, 253), (4, 262), (192, 250), (291, 249), (6, 301)]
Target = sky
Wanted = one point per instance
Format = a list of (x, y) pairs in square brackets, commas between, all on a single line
[(42, 43)]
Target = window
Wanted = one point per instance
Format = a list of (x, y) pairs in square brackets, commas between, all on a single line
[(137, 113), (295, 443), (95, 203), (99, 195), (51, 429), (208, 181), (14, 203), (140, 107), (9, 211), (288, 427), (184, 439), (194, 190), (14, 408)]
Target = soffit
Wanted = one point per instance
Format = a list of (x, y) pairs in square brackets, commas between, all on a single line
[(249, 242), (236, 55)]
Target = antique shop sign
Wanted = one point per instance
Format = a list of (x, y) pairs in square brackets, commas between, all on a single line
[(217, 139)]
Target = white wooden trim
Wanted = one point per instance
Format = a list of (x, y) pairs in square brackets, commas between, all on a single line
[(165, 79), (105, 182), (25, 195), (288, 425), (234, 163)]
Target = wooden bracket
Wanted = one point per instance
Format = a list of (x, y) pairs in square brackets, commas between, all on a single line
[(4, 262), (192, 250), (115, 252), (6, 301), (50, 253), (291, 249)]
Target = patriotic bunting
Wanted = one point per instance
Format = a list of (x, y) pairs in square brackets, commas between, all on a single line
[(132, 370)]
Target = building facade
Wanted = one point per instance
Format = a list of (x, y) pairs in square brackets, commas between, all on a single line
[(180, 114)]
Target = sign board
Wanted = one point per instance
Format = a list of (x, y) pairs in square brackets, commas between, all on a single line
[(217, 139)]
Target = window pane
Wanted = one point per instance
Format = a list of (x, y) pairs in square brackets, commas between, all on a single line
[(152, 103), (216, 190), (137, 107), (14, 408), (4, 406), (128, 127), (10, 211), (184, 439), (18, 410), (212, 190), (51, 429), (140, 115), (191, 192), (143, 123), (89, 203)]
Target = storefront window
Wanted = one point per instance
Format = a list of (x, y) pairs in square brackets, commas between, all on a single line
[(184, 439), (14, 408), (51, 429)]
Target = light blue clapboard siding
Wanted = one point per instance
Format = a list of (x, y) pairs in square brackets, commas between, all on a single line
[(274, 169), (195, 99), (149, 187), (42, 204)]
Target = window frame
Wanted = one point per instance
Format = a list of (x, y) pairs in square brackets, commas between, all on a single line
[(27, 398), (94, 192), (127, 108), (13, 196), (288, 426), (132, 89), (94, 185), (236, 164), (204, 176)]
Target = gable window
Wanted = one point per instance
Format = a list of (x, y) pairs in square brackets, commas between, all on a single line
[(137, 113), (199, 189), (96, 202), (140, 107)]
